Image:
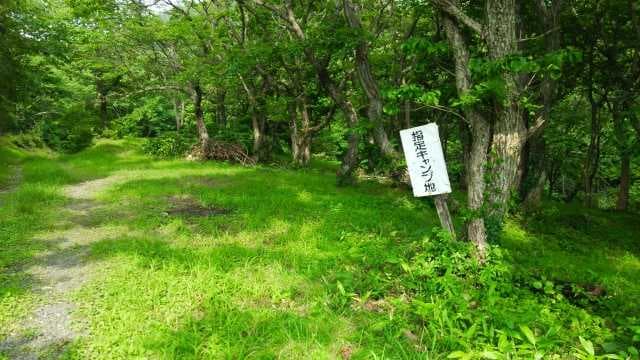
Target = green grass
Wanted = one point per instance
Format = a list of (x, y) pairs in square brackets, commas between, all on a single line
[(300, 268), (24, 211)]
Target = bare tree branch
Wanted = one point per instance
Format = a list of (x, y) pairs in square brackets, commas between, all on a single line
[(454, 11)]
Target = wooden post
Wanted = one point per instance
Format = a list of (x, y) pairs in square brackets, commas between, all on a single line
[(443, 214), (428, 169)]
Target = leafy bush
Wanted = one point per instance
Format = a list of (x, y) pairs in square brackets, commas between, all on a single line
[(436, 290), (69, 133), (151, 118), (29, 140), (168, 145)]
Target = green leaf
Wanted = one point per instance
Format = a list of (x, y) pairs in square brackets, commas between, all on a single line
[(490, 355), (405, 267), (587, 345), (528, 334), (471, 331), (457, 355), (503, 343)]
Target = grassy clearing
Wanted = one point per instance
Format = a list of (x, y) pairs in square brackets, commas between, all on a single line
[(302, 269)]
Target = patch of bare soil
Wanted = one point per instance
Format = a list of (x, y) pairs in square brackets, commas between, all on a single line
[(63, 268), (188, 206)]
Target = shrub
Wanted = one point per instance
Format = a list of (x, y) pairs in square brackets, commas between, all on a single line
[(168, 145), (151, 118), (436, 290), (69, 133), (29, 140)]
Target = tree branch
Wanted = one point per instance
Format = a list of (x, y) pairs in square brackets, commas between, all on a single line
[(324, 121), (448, 7), (540, 124), (153, 88)]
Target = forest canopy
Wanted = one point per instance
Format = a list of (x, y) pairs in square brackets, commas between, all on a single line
[(542, 93)]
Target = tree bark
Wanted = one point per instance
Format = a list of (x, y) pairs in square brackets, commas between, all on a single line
[(402, 76), (509, 131), (221, 110), (534, 196), (203, 134), (369, 85), (304, 143), (625, 157), (258, 121), (300, 136), (257, 126), (178, 108), (625, 182), (535, 165), (104, 110), (635, 123), (593, 152), (479, 128)]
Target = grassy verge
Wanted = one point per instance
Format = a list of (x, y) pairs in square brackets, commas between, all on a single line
[(27, 207), (289, 266)]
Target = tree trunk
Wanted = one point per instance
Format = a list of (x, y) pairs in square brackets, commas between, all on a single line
[(258, 121), (258, 134), (221, 110), (479, 128), (403, 68), (534, 196), (533, 188), (369, 85), (349, 164), (346, 172), (407, 114), (178, 108), (625, 182), (300, 144), (104, 111), (593, 153), (509, 131), (635, 123), (465, 139), (625, 157), (203, 134), (303, 155)]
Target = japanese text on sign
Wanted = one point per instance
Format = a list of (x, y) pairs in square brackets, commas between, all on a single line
[(423, 152)]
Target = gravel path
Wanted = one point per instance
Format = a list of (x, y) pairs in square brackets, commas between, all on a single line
[(57, 272)]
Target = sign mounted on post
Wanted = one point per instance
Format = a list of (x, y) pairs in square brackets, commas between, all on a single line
[(427, 169), (423, 152)]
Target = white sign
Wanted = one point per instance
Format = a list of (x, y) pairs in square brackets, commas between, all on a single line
[(427, 169)]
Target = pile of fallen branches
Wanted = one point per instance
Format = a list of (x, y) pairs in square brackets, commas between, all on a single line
[(221, 151)]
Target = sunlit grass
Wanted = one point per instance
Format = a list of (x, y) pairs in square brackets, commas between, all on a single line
[(267, 279)]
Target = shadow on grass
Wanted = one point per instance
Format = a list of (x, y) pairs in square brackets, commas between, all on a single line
[(23, 214), (310, 214), (241, 333), (302, 224), (294, 221)]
